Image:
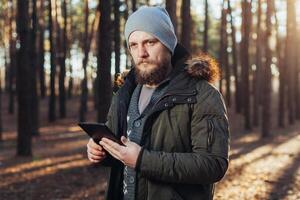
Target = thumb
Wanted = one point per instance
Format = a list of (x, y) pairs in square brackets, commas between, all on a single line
[(124, 140)]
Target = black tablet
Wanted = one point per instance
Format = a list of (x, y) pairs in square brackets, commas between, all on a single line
[(97, 131)]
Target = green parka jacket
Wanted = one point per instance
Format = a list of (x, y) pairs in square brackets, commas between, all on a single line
[(185, 141)]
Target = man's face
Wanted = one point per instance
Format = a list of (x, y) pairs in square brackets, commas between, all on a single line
[(152, 59)]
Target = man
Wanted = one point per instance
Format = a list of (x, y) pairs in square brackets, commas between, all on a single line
[(171, 120)]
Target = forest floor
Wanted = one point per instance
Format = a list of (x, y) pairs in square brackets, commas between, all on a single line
[(260, 169)]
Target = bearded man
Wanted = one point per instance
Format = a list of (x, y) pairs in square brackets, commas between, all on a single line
[(171, 120)]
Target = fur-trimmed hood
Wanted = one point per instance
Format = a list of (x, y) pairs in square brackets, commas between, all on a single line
[(202, 66)]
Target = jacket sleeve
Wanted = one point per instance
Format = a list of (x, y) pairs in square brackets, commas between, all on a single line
[(110, 161), (208, 161)]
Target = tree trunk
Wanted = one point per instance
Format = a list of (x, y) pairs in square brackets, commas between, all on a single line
[(282, 84), (1, 127), (171, 6), (104, 61), (52, 106), (128, 60), (23, 80), (133, 4), (84, 88), (117, 39), (1, 110), (235, 62), (223, 45), (206, 27), (62, 58), (291, 58), (246, 24), (70, 30), (266, 85), (41, 52), (70, 83), (88, 37), (297, 74), (33, 73), (12, 66), (186, 24), (282, 73), (257, 76), (226, 60)]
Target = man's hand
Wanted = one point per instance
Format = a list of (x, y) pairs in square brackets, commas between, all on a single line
[(127, 154), (95, 152)]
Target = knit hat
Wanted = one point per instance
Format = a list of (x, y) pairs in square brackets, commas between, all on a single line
[(155, 21)]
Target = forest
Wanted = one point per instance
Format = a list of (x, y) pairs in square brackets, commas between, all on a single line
[(62, 61)]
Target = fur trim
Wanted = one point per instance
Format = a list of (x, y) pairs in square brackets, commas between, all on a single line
[(204, 67)]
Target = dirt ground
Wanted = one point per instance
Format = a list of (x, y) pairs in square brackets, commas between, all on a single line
[(260, 169)]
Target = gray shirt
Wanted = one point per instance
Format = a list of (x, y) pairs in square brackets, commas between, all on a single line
[(145, 97)]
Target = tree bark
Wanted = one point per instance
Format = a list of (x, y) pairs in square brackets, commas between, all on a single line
[(41, 52), (225, 57), (171, 6), (23, 80), (246, 24), (235, 61), (84, 88), (70, 30), (52, 106), (282, 73), (62, 58), (206, 27), (266, 85), (128, 60), (117, 39), (89, 35), (12, 67), (186, 25), (70, 83), (33, 73), (133, 4), (297, 74), (104, 61), (257, 76), (223, 45), (291, 58), (1, 110)]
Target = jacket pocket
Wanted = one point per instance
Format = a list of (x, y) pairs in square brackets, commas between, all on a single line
[(210, 134)]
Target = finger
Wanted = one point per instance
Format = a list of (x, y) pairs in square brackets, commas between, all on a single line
[(108, 141), (113, 150), (96, 152), (112, 144), (124, 140), (96, 157), (112, 153), (100, 147), (93, 144), (94, 161)]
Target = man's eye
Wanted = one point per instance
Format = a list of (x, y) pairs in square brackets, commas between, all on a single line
[(132, 46), (151, 42)]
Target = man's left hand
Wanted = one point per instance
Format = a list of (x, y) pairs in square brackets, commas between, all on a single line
[(127, 154)]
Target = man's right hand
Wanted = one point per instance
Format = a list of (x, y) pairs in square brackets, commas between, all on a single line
[(95, 152)]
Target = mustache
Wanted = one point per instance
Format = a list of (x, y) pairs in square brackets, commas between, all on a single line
[(144, 61)]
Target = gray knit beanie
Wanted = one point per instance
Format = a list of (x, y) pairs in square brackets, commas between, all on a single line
[(155, 21)]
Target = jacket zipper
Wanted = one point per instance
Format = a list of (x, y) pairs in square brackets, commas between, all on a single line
[(210, 136)]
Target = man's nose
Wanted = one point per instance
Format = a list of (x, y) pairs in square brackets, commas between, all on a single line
[(143, 52)]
